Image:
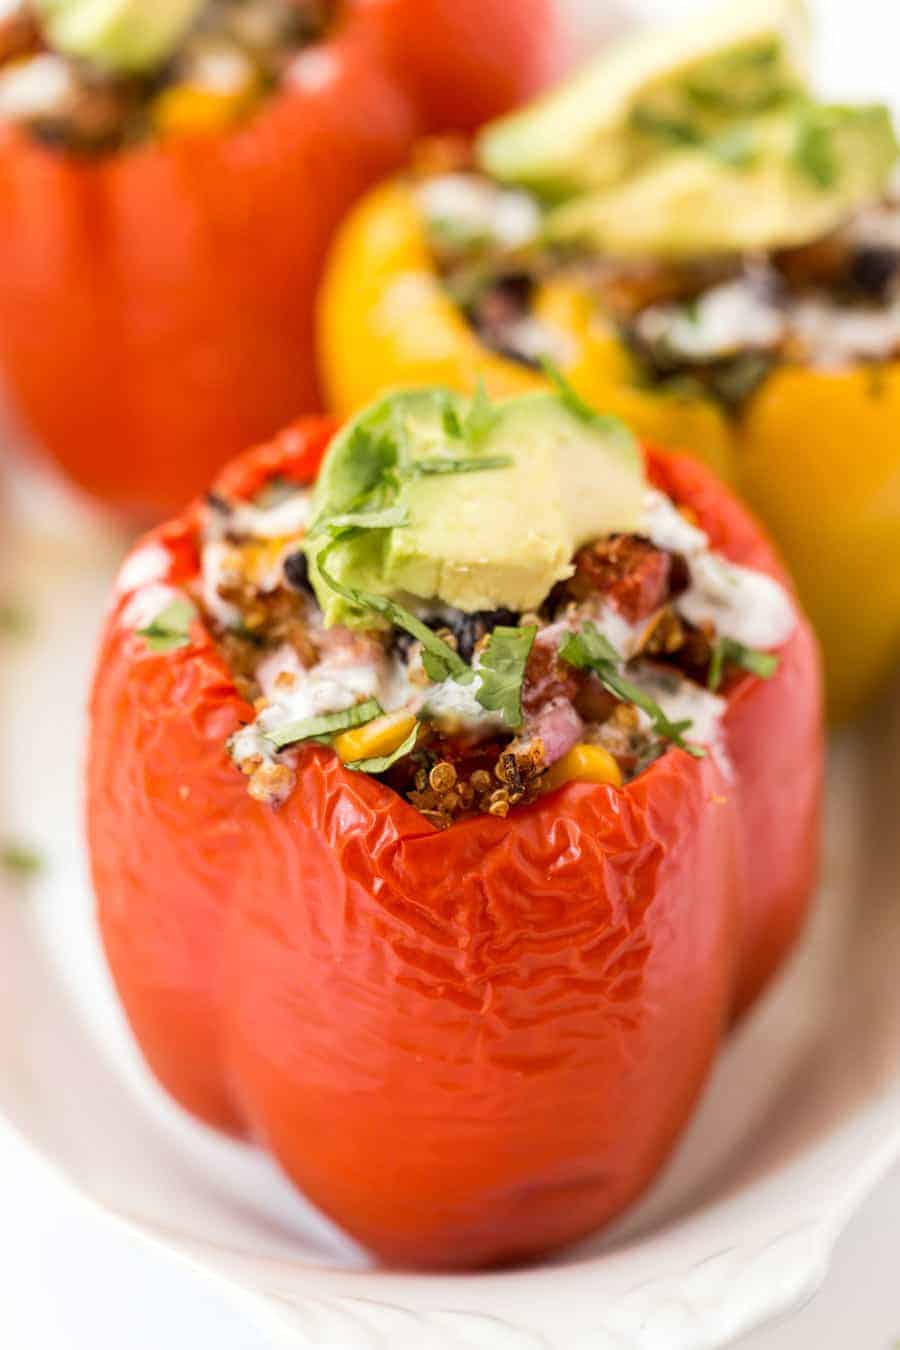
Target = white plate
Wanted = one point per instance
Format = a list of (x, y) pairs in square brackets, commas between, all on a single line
[(800, 1121)]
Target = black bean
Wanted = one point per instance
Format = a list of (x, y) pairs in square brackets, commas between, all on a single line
[(296, 571), (468, 629), (873, 268)]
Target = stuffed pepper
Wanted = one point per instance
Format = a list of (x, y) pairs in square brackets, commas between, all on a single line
[(446, 804), (170, 174), (701, 246)]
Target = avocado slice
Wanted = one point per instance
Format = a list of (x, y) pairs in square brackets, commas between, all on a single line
[(552, 476), (128, 36), (651, 92), (771, 182)]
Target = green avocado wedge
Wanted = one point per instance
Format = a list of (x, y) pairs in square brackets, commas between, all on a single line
[(649, 92), (431, 497), (127, 36), (773, 182)]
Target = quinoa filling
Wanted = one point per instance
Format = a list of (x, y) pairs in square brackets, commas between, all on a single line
[(627, 656), (234, 54), (715, 327)]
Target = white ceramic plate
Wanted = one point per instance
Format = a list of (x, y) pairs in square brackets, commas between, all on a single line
[(800, 1121)]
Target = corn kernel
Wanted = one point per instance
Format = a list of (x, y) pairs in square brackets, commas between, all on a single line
[(185, 108), (379, 737), (584, 764)]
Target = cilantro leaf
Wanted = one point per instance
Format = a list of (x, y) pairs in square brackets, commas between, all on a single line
[(451, 423), (502, 670), (814, 151), (14, 619), (589, 649), (671, 130), (172, 626), (326, 725), (441, 662), (480, 418), (576, 405), (19, 860), (383, 518), (728, 652), (447, 464), (379, 763), (736, 148)]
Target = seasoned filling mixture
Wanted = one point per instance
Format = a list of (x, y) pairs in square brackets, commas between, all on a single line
[(715, 327), (92, 93), (474, 712)]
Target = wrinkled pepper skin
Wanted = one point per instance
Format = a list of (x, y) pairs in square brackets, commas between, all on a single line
[(156, 305), (814, 452), (386, 321), (466, 1047)]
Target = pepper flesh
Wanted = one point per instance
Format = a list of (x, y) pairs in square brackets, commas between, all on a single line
[(813, 451), (156, 305), (469, 1046)]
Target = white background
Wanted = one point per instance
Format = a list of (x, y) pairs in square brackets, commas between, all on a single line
[(73, 1281)]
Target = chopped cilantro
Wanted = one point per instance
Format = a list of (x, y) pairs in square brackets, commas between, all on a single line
[(727, 652), (172, 626), (571, 399), (451, 423), (736, 148), (590, 650), (441, 464), (671, 130), (480, 417), (814, 152), (14, 619), (502, 670), (19, 860), (441, 662), (380, 518), (327, 725), (380, 763)]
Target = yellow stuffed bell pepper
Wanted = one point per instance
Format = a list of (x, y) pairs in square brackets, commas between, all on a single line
[(819, 460), (697, 245), (386, 320)]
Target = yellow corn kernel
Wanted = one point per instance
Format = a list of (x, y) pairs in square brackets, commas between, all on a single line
[(379, 737), (186, 108), (584, 764)]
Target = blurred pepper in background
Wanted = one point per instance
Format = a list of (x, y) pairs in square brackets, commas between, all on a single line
[(700, 246), (168, 191)]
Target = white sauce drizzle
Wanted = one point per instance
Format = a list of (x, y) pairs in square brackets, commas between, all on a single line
[(479, 209), (37, 87), (290, 516), (726, 319), (147, 604), (740, 603), (145, 565), (454, 708), (683, 700)]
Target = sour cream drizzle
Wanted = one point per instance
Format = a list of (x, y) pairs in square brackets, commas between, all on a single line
[(747, 606)]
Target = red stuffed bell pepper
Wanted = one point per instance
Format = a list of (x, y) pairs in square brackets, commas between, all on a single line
[(166, 210), (456, 924)]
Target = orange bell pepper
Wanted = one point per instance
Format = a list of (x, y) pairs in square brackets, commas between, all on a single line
[(156, 305)]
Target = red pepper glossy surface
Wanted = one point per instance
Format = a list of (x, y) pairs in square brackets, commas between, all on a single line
[(156, 305), (469, 1046)]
